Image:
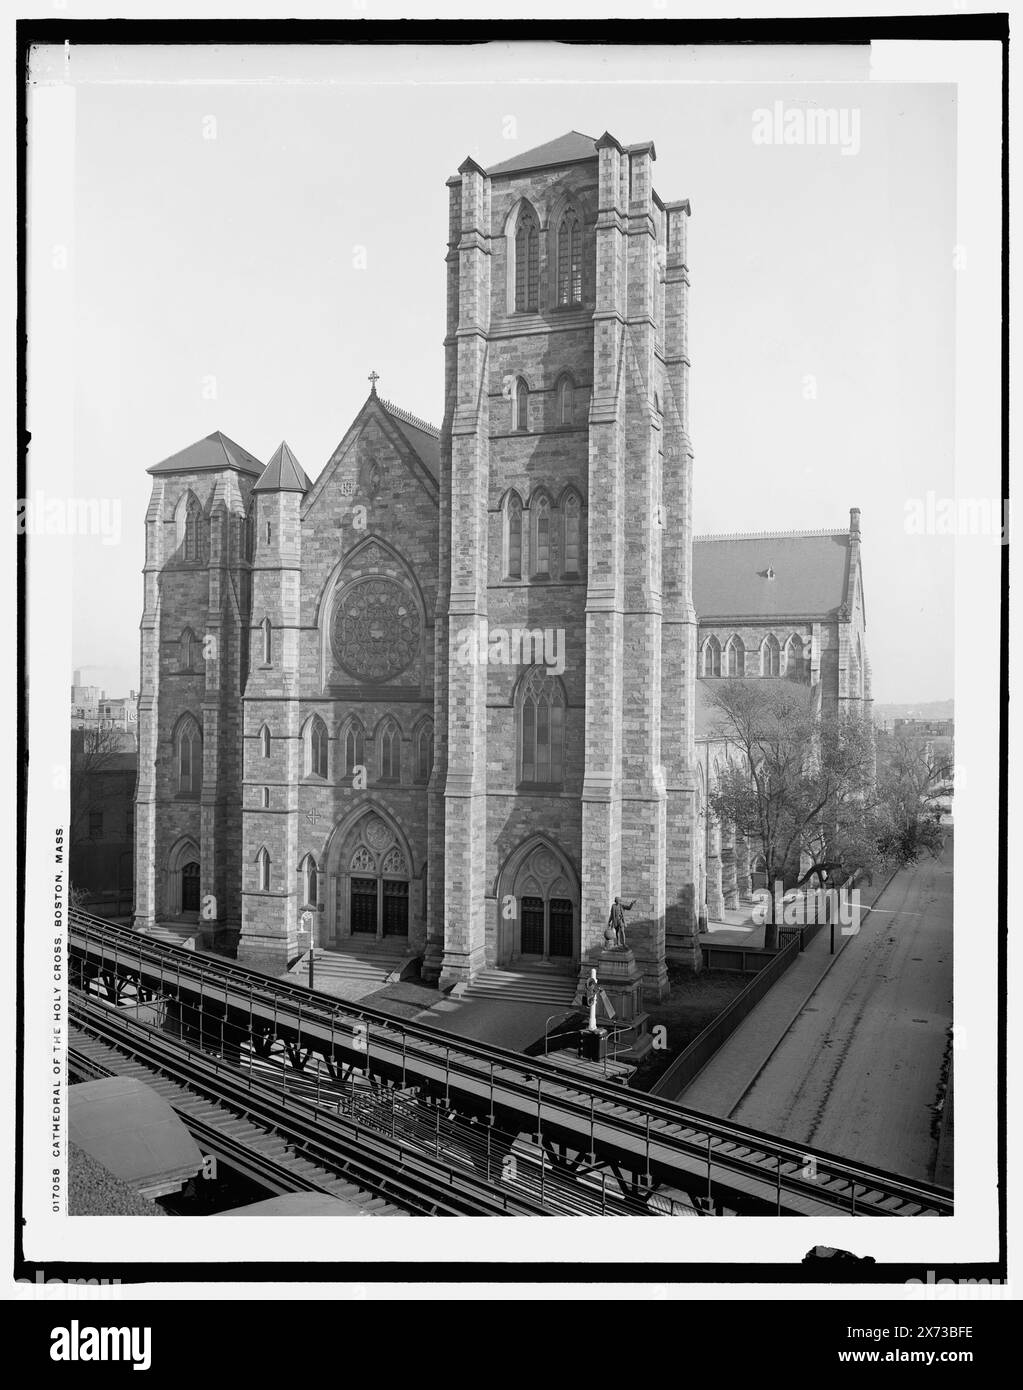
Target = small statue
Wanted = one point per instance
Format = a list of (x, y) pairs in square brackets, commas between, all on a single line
[(616, 922)]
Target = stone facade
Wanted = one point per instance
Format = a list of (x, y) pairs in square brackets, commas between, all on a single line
[(811, 629), (782, 605), (445, 698), (566, 425), (194, 662)]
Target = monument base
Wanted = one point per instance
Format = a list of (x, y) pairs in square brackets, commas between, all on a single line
[(621, 978)]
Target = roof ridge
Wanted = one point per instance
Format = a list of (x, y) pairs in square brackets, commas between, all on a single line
[(771, 535), (408, 417)]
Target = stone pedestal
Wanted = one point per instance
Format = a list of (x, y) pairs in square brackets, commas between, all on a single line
[(621, 978)]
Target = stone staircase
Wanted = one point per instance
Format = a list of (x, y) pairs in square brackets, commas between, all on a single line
[(175, 936), (370, 966), (521, 987)]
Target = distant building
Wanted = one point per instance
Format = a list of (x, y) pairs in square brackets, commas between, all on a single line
[(92, 708), (923, 728), (103, 777)]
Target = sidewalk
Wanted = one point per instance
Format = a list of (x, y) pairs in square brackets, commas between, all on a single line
[(734, 928), (726, 1078)]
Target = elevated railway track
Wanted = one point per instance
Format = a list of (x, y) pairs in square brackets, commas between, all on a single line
[(579, 1127)]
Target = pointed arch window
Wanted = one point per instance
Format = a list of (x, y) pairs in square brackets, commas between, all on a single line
[(770, 656), (424, 753), (735, 657), (263, 870), (390, 752), (192, 518), (264, 742), (541, 719), (316, 748), (189, 757), (527, 262), (540, 511), (188, 528), (521, 404), (570, 269), (572, 511), (566, 401), (794, 661), (310, 889), (268, 642), (712, 657), (354, 744), (513, 536), (191, 652)]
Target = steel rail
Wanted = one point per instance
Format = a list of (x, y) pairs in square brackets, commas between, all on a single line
[(735, 1148), (261, 1168), (371, 1161), (551, 1191)]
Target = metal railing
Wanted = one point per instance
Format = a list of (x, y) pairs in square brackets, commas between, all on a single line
[(692, 1059), (641, 1130)]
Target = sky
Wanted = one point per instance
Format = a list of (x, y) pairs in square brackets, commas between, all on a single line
[(256, 230)]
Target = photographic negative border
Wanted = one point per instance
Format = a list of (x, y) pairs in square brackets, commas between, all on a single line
[(859, 30)]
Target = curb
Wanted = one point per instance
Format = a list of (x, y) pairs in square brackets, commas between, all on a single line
[(799, 1009)]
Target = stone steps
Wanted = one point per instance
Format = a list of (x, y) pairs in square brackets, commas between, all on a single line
[(174, 936), (371, 966), (522, 986)]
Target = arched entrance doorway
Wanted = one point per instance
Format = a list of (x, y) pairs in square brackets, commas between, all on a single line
[(538, 906), (182, 891), (190, 887), (371, 871)]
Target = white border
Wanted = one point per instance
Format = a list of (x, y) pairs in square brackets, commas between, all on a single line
[(753, 1240)]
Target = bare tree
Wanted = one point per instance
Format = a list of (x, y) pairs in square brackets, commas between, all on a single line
[(912, 780), (802, 783), (94, 752)]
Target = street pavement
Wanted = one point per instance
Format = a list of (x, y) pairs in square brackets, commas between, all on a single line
[(858, 1071)]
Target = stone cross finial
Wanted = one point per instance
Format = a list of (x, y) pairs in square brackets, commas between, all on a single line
[(373, 378)]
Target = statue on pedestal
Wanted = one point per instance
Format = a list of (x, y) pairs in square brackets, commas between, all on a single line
[(616, 925)]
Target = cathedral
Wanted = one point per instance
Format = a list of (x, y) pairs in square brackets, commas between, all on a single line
[(451, 696)]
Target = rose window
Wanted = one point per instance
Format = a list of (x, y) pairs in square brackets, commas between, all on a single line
[(375, 629)]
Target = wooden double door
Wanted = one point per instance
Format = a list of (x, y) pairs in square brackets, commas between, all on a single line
[(378, 906), (547, 928)]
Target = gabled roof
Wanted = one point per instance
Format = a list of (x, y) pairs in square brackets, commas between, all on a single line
[(213, 453), (423, 437), (283, 473), (566, 149), (420, 438), (810, 572)]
